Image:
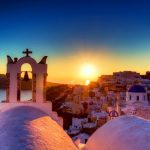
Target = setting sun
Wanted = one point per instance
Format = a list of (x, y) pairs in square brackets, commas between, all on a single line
[(88, 71)]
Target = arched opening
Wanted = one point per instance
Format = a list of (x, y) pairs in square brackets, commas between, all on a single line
[(26, 83)]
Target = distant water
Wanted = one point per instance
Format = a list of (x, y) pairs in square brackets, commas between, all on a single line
[(25, 95)]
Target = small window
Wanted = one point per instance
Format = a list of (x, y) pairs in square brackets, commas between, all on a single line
[(137, 98)]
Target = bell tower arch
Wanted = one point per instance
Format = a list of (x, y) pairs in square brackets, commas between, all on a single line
[(39, 74)]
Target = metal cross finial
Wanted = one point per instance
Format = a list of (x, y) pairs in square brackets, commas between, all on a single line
[(27, 52)]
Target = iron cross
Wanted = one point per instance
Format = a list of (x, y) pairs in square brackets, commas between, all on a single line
[(27, 52)]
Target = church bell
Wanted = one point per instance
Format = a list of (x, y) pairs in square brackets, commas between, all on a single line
[(26, 76)]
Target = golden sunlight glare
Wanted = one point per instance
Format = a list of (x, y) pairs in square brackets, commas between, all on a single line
[(87, 82), (88, 70)]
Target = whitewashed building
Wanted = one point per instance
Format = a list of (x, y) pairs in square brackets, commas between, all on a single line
[(136, 94)]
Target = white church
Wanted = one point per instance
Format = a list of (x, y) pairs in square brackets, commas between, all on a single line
[(137, 94), (33, 125)]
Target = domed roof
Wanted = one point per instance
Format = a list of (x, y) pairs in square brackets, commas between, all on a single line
[(137, 89), (28, 128), (123, 133)]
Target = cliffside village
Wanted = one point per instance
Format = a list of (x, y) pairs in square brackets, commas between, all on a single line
[(111, 96), (86, 108)]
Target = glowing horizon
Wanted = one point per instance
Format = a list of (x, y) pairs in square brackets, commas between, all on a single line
[(80, 67)]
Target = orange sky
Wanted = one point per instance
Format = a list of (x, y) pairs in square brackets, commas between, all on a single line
[(70, 68)]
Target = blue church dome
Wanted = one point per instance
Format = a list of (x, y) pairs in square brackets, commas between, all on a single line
[(137, 89)]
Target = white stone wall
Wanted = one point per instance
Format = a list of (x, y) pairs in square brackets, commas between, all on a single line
[(44, 107), (131, 98)]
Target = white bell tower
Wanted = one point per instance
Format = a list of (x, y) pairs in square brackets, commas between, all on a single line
[(39, 74)]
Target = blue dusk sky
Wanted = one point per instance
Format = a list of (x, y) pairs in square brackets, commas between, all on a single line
[(110, 35)]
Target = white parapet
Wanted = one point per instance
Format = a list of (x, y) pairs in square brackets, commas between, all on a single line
[(44, 107)]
